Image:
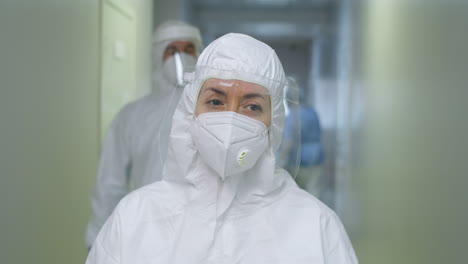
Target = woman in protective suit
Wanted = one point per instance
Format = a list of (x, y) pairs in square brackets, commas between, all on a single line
[(222, 198)]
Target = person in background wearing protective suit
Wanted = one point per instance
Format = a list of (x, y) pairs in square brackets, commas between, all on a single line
[(130, 154), (222, 199)]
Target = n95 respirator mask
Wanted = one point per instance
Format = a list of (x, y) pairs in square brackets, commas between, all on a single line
[(228, 142)]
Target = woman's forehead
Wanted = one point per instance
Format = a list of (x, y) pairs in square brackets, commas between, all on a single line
[(238, 85)]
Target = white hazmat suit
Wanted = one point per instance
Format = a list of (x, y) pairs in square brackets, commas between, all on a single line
[(131, 155), (201, 212)]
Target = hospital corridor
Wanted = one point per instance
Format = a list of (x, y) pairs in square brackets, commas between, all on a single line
[(248, 131)]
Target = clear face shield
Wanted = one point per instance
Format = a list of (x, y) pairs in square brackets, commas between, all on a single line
[(228, 92), (257, 98), (175, 68), (288, 155)]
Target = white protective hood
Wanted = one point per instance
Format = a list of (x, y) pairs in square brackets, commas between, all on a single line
[(233, 56), (172, 30), (192, 216)]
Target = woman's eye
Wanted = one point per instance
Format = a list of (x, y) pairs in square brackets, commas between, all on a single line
[(215, 102), (255, 108)]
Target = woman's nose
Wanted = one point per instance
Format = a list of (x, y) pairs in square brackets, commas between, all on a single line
[(233, 105)]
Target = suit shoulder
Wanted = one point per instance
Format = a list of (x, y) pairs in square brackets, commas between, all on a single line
[(301, 200), (155, 200)]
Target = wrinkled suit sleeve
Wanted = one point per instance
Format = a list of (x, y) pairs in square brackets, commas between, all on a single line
[(336, 245), (112, 181), (107, 247)]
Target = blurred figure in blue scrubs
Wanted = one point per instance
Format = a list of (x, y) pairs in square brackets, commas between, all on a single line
[(310, 148)]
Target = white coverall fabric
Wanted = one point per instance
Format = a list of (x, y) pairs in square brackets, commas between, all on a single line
[(138, 134), (192, 216)]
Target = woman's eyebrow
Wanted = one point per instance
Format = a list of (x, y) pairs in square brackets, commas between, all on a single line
[(254, 95), (218, 91)]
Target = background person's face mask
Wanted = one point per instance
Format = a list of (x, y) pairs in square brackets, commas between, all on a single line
[(173, 67), (228, 142)]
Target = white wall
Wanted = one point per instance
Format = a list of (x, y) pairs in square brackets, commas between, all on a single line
[(50, 119), (169, 10), (125, 72), (49, 127), (409, 149), (144, 30)]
